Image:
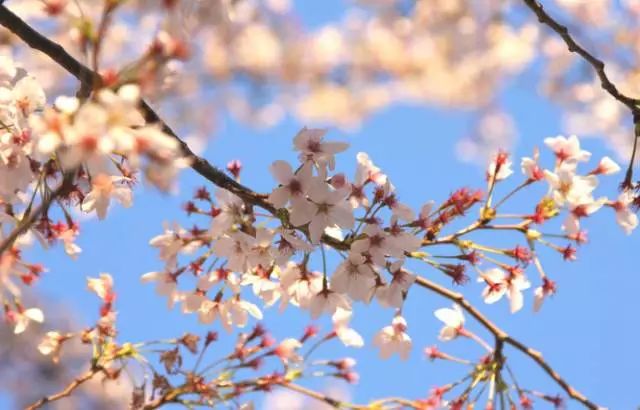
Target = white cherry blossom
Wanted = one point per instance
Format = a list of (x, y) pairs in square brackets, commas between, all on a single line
[(103, 188), (625, 217), (393, 339), (567, 150), (348, 336), (499, 284), (453, 320), (21, 319), (165, 286), (101, 286), (392, 295), (312, 147)]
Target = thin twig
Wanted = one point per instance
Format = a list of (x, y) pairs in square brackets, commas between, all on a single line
[(67, 390), (33, 216), (502, 337)]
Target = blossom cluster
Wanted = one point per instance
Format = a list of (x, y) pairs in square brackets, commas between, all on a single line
[(78, 154), (315, 208)]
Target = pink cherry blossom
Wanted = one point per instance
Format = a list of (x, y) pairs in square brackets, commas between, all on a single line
[(294, 186), (235, 247), (327, 208), (393, 294), (355, 278), (312, 147), (327, 301), (299, 286)]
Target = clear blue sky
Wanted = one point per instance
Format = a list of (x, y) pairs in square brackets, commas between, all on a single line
[(588, 331)]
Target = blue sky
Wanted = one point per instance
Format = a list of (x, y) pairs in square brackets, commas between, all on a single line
[(588, 331)]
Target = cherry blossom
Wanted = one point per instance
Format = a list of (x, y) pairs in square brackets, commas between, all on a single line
[(393, 339), (366, 172), (166, 285), (355, 278), (393, 294), (312, 147), (453, 320), (231, 209), (348, 336), (101, 286), (299, 285), (547, 288), (578, 210), (51, 344), (103, 188), (236, 248), (239, 311), (287, 349), (294, 185), (262, 285), (172, 242), (531, 169), (500, 284), (21, 318), (327, 208), (625, 217), (567, 150), (327, 301), (500, 167), (606, 166), (569, 187)]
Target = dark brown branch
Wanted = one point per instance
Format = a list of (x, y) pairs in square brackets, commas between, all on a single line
[(90, 80), (598, 65), (574, 47)]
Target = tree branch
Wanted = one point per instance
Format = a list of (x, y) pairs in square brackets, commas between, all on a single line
[(67, 390), (574, 47), (502, 337)]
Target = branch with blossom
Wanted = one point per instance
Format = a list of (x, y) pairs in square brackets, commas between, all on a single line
[(94, 145)]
